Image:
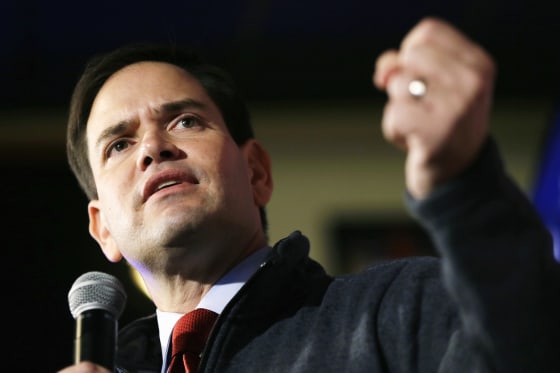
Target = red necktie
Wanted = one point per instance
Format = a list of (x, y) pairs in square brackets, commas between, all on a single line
[(189, 338)]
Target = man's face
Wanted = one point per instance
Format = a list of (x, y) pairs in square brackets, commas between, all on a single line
[(169, 176)]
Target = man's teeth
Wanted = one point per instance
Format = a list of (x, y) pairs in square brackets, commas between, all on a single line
[(166, 184)]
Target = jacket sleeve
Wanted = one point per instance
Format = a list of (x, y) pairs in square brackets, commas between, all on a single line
[(498, 266)]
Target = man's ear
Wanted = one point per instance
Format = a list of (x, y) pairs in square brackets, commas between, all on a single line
[(99, 230), (259, 164)]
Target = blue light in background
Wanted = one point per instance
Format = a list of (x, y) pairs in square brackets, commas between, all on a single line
[(546, 191)]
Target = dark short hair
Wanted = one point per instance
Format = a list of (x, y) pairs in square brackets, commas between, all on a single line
[(218, 84)]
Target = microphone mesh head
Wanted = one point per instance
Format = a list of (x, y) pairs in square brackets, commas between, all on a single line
[(97, 290)]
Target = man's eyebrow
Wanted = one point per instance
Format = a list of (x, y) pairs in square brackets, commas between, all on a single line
[(174, 106), (166, 108), (112, 131)]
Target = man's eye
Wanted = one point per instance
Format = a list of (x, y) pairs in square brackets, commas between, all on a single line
[(188, 122), (117, 147), (186, 125)]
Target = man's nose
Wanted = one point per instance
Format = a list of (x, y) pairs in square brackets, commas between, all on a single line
[(156, 147)]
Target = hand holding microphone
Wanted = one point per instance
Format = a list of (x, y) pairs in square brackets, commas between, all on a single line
[(96, 301)]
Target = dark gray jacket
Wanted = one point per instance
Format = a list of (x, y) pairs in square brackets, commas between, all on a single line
[(487, 305)]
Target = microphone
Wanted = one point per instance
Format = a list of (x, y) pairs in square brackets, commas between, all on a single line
[(96, 301)]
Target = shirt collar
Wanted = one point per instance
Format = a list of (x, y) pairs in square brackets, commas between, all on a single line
[(217, 297)]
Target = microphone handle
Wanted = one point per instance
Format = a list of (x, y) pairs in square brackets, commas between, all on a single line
[(96, 338)]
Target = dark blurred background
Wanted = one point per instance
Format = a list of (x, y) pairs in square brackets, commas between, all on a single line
[(277, 50)]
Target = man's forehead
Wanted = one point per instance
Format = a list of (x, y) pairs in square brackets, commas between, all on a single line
[(148, 86)]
